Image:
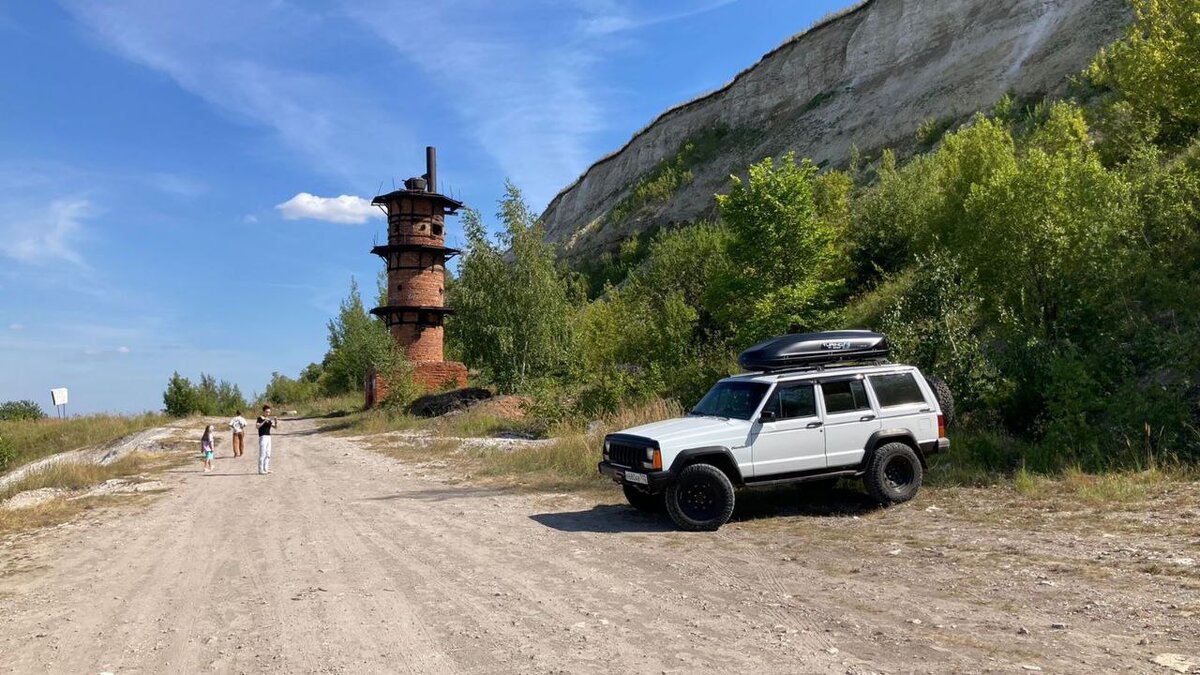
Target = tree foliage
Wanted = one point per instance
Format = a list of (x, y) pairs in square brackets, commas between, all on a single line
[(783, 256), (513, 303), (357, 343), (208, 397), (12, 411)]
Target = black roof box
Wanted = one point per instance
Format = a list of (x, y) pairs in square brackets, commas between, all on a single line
[(805, 350)]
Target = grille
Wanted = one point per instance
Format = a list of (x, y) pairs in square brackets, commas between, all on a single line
[(626, 455)]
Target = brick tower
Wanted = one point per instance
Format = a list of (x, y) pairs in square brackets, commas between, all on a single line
[(416, 256)]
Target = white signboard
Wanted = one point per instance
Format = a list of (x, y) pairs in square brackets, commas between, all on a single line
[(59, 396)]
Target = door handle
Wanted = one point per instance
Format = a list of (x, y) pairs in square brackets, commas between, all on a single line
[(813, 425), (866, 418)]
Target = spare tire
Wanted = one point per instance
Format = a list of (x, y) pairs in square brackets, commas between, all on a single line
[(945, 399)]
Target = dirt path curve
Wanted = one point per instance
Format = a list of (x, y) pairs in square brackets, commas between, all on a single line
[(344, 561)]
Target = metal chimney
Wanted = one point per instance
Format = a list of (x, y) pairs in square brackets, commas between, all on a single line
[(431, 168)]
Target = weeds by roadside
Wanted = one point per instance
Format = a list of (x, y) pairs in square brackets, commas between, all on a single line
[(30, 440), (72, 478)]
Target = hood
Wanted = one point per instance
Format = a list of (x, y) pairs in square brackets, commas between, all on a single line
[(683, 433)]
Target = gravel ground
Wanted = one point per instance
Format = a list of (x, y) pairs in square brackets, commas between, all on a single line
[(346, 561)]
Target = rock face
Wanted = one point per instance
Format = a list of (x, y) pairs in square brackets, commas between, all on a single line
[(868, 78)]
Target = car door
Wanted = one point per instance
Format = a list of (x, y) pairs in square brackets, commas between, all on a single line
[(790, 438), (850, 418)]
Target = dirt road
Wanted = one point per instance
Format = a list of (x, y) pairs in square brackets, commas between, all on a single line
[(345, 561)]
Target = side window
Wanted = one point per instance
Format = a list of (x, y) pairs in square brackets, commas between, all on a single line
[(896, 389), (844, 396), (797, 401), (792, 402)]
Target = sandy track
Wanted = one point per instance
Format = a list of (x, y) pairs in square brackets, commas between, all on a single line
[(344, 561)]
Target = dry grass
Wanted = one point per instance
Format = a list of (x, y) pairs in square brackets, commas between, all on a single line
[(34, 439), (73, 478), (567, 461), (1111, 488)]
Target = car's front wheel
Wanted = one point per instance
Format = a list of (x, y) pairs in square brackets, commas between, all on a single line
[(701, 498), (894, 474), (643, 501)]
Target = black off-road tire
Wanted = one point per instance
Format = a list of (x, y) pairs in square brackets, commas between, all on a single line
[(945, 398), (644, 501), (894, 474), (701, 498)]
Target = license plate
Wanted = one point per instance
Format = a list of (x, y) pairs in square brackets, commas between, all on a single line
[(639, 478)]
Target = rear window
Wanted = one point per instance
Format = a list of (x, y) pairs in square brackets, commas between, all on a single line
[(844, 396), (793, 401), (896, 389)]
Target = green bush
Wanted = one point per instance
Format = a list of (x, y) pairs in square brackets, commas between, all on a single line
[(12, 411)]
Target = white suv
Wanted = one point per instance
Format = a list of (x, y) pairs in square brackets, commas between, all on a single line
[(820, 407)]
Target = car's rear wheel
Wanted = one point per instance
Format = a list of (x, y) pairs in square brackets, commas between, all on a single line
[(643, 501), (701, 498), (894, 474)]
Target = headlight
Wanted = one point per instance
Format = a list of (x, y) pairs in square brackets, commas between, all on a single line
[(653, 459), (606, 445)]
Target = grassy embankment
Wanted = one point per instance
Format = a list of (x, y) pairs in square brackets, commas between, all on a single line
[(32, 440)]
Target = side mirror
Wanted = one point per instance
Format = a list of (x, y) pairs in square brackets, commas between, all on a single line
[(767, 416)]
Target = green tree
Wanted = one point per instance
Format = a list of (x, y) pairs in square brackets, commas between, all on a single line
[(12, 411), (180, 398), (1153, 75), (357, 342), (513, 303), (784, 259)]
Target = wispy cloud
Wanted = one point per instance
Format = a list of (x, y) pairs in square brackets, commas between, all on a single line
[(527, 100), (237, 57), (608, 18), (346, 209), (16, 327), (528, 84), (49, 235)]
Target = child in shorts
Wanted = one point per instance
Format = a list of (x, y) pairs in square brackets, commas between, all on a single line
[(206, 446)]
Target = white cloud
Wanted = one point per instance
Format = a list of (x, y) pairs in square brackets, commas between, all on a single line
[(122, 350), (346, 209), (250, 218), (47, 236), (16, 326)]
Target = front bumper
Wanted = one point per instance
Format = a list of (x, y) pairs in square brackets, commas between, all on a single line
[(655, 480)]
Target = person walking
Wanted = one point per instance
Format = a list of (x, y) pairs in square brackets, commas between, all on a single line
[(206, 446), (265, 424), (238, 424)]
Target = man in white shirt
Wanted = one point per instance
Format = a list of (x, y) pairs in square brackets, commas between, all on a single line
[(238, 424)]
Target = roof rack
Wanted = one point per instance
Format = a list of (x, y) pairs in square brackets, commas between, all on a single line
[(820, 368)]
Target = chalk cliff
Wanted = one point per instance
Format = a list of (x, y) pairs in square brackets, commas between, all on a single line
[(868, 77)]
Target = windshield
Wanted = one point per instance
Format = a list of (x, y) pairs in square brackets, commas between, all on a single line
[(738, 400)]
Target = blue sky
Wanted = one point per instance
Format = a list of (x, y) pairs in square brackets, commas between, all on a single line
[(169, 169)]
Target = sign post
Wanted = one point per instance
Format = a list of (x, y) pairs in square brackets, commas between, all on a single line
[(59, 397)]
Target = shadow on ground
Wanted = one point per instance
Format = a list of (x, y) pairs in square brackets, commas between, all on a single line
[(607, 519), (751, 505), (441, 494)]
